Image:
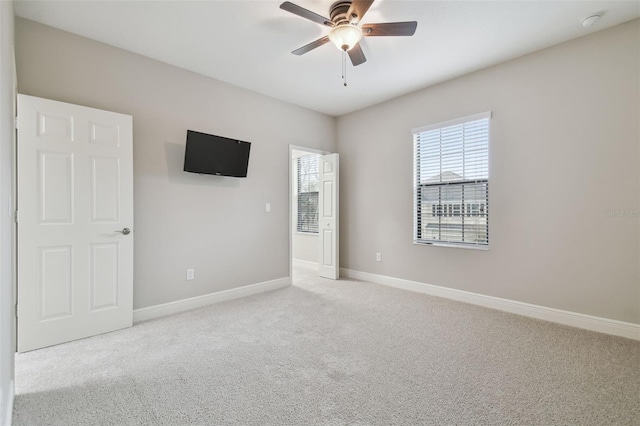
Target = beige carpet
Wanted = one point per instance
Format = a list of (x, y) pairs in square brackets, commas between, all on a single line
[(334, 353)]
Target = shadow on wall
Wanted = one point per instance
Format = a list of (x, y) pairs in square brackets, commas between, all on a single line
[(175, 170)]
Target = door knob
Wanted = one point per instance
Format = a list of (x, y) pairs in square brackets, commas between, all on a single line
[(124, 231)]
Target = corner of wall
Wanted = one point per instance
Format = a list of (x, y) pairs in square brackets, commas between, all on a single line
[(6, 406), (7, 134)]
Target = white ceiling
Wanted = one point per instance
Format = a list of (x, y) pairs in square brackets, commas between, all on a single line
[(248, 43)]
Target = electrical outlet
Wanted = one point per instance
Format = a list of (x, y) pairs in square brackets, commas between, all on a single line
[(378, 257), (267, 207), (191, 274)]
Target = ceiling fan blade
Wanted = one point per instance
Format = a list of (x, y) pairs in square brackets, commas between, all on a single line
[(311, 46), (390, 29), (357, 55), (358, 8), (305, 13)]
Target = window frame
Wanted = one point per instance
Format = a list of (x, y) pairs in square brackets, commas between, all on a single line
[(445, 209)]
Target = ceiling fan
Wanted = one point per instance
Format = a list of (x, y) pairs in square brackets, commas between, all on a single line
[(345, 32)]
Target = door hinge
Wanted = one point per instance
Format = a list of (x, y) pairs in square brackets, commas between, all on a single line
[(15, 218), (16, 310), (16, 123)]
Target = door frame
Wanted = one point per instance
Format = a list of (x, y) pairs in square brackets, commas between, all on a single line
[(290, 168)]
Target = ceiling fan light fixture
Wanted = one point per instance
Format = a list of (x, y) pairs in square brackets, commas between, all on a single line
[(346, 36)]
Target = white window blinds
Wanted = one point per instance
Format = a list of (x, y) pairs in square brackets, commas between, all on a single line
[(307, 193), (451, 182)]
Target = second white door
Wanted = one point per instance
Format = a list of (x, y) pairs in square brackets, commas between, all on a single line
[(328, 217)]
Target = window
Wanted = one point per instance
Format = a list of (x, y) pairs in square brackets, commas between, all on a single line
[(307, 193), (451, 182)]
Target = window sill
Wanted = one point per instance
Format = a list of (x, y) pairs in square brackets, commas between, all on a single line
[(311, 234), (458, 246)]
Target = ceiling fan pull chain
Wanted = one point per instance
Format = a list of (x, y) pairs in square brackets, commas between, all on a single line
[(344, 67)]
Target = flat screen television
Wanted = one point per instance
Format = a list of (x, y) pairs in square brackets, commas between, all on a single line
[(216, 155)]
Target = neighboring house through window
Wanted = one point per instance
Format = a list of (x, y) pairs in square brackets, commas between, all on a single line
[(307, 193), (451, 182)]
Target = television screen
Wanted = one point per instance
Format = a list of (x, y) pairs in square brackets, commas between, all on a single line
[(216, 155)]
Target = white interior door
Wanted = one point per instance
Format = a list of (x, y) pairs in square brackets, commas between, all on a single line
[(328, 217), (75, 222)]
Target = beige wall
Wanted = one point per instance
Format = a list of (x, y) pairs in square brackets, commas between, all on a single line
[(305, 247), (7, 318), (214, 224), (564, 148)]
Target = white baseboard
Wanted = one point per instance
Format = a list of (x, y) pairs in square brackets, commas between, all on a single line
[(7, 407), (574, 319), (305, 263), (157, 311)]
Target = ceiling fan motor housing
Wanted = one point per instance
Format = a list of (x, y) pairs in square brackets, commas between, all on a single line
[(338, 12)]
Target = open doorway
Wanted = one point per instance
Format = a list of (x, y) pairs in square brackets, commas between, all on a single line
[(313, 214), (304, 194)]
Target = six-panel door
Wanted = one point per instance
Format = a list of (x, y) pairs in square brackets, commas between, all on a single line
[(75, 196), (328, 217)]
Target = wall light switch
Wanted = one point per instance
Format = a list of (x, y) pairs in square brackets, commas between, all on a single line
[(191, 274), (267, 207), (378, 257)]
